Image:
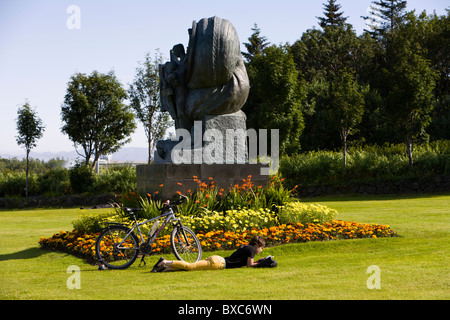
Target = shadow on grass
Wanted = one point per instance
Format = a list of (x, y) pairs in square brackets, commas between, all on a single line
[(29, 253)]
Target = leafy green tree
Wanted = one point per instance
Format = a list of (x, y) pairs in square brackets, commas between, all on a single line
[(332, 16), (432, 33), (347, 106), (410, 83), (144, 99), (30, 128), (275, 96), (439, 128), (255, 45), (321, 57), (95, 116), (306, 53)]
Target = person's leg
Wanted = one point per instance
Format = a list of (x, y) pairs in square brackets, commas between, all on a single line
[(182, 265), (210, 263)]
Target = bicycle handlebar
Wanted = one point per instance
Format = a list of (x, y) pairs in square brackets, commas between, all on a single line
[(179, 201)]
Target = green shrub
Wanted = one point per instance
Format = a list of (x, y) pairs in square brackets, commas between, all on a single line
[(13, 184), (81, 178), (298, 212), (55, 182), (94, 222), (118, 179), (150, 208), (365, 163)]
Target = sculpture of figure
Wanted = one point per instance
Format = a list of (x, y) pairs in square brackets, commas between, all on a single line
[(210, 79)]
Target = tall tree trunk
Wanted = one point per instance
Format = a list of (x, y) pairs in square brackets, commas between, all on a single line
[(26, 174), (345, 152), (150, 138), (149, 151), (409, 149), (344, 135), (94, 163)]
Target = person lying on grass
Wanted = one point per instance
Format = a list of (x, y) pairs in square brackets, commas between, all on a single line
[(244, 256)]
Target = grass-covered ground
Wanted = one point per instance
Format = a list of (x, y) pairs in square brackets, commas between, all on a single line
[(412, 266)]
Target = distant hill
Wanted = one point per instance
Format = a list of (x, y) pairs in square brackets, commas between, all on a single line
[(123, 155)]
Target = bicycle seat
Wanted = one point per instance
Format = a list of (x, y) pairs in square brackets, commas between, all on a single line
[(131, 210)]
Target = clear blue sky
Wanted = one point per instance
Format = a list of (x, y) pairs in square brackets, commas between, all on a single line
[(38, 53)]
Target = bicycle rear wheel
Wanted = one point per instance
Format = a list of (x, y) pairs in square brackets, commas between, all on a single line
[(185, 244), (117, 246)]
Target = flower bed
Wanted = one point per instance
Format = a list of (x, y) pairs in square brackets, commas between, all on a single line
[(83, 244), (224, 220)]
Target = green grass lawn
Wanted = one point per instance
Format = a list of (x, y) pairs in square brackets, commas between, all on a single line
[(412, 266)]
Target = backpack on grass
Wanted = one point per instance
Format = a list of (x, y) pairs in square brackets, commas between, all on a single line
[(267, 262)]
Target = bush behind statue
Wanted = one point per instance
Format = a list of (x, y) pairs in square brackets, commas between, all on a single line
[(366, 163)]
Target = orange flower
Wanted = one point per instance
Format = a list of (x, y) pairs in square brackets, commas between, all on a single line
[(161, 185)]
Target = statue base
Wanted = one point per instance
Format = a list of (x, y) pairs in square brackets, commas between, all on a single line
[(217, 139), (167, 179)]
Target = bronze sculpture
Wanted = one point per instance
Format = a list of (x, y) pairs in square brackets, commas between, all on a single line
[(209, 79)]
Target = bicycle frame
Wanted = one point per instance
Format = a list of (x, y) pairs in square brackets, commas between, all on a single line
[(170, 215)]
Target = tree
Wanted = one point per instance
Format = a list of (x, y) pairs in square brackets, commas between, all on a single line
[(95, 116), (347, 107), (385, 16), (332, 17), (30, 129), (144, 99), (256, 44), (275, 97), (410, 82), (321, 57), (411, 97)]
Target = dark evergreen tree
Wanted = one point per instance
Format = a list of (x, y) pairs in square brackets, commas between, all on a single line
[(332, 17), (385, 16), (256, 44)]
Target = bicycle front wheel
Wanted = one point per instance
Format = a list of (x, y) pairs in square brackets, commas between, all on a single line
[(185, 244), (117, 246)]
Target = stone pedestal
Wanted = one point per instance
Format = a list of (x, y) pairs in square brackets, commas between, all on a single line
[(167, 179), (229, 132), (217, 139)]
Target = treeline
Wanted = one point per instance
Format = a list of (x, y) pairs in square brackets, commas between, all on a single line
[(35, 165), (333, 88), (365, 164), (51, 178)]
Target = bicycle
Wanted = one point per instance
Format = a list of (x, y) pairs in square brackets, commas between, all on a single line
[(118, 246)]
